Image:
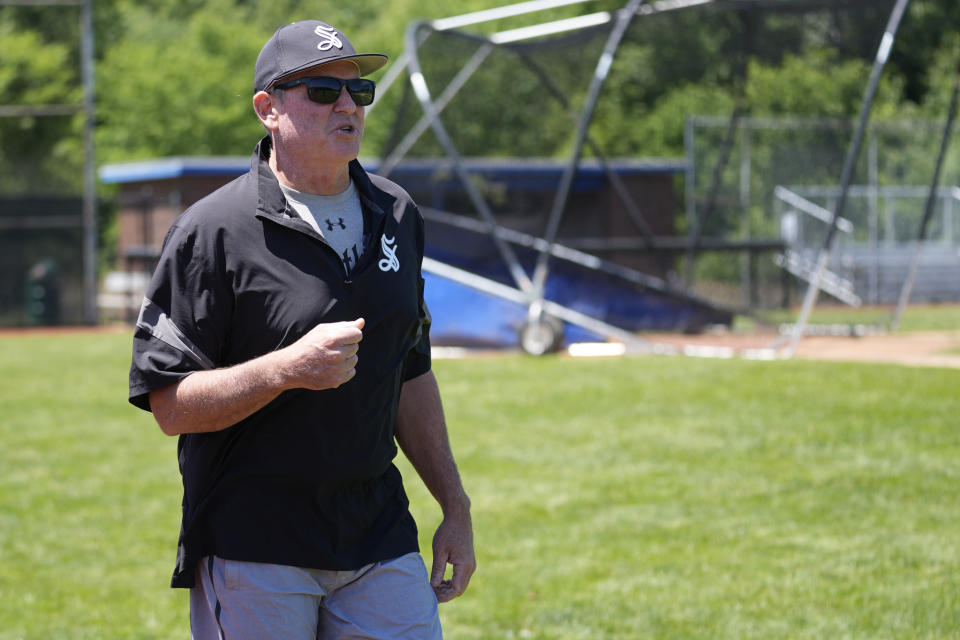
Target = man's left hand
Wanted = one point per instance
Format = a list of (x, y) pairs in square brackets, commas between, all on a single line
[(453, 544)]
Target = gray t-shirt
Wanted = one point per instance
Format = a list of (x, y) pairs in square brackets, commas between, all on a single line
[(338, 218)]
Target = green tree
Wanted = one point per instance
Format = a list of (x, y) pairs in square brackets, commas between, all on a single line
[(173, 76), (40, 153), (180, 88)]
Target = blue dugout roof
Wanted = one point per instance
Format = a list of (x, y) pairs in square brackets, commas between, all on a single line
[(524, 174), (170, 168)]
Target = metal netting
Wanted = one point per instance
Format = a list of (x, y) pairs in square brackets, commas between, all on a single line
[(509, 80), (41, 227)]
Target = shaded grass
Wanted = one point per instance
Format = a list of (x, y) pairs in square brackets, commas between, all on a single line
[(628, 498)]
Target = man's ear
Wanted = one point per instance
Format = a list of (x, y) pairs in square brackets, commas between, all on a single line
[(264, 104)]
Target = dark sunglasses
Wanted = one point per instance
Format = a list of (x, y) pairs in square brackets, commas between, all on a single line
[(324, 90)]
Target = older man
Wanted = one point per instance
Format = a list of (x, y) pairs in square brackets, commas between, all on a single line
[(284, 338)]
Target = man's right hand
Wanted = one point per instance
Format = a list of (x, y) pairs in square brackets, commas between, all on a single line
[(325, 357), (215, 399)]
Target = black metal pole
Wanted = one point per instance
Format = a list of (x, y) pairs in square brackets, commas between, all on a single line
[(90, 310), (928, 209), (732, 127), (624, 18), (883, 53), (422, 93), (619, 188)]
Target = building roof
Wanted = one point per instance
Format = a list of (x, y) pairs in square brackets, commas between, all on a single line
[(171, 168), (230, 166)]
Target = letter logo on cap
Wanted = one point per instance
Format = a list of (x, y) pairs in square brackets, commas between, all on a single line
[(331, 39)]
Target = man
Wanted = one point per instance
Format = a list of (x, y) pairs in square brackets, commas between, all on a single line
[(285, 340)]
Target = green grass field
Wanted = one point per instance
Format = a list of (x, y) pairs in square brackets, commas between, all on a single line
[(649, 497)]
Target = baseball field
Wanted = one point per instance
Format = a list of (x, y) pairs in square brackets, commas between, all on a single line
[(637, 497)]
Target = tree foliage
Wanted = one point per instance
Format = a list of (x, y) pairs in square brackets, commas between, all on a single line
[(174, 76), (38, 152), (180, 86)]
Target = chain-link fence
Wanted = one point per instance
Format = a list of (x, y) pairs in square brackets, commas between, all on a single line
[(781, 181), (41, 223), (48, 221)]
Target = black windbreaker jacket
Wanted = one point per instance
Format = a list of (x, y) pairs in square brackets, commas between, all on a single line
[(308, 480)]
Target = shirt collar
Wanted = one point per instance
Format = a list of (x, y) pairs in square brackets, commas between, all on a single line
[(271, 200)]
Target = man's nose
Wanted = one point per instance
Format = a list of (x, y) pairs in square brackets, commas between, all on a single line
[(345, 101)]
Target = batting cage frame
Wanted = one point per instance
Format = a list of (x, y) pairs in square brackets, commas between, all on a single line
[(542, 331)]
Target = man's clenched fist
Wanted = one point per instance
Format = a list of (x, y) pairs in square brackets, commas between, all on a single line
[(325, 357)]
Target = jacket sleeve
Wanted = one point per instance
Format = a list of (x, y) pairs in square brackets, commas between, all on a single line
[(418, 359), (185, 315)]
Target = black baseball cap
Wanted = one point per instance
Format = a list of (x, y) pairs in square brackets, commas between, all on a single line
[(301, 45)]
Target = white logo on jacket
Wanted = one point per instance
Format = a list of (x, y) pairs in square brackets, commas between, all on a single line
[(389, 248), (331, 38)]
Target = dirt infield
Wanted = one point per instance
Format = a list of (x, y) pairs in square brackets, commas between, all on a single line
[(922, 349), (26, 332)]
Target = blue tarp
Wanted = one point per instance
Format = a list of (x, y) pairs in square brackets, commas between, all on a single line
[(465, 316)]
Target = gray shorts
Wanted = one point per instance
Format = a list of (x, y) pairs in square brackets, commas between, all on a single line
[(248, 600)]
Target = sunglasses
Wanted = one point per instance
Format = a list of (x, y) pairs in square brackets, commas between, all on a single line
[(325, 90)]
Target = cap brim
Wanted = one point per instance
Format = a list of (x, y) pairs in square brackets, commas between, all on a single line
[(366, 63), (370, 62)]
